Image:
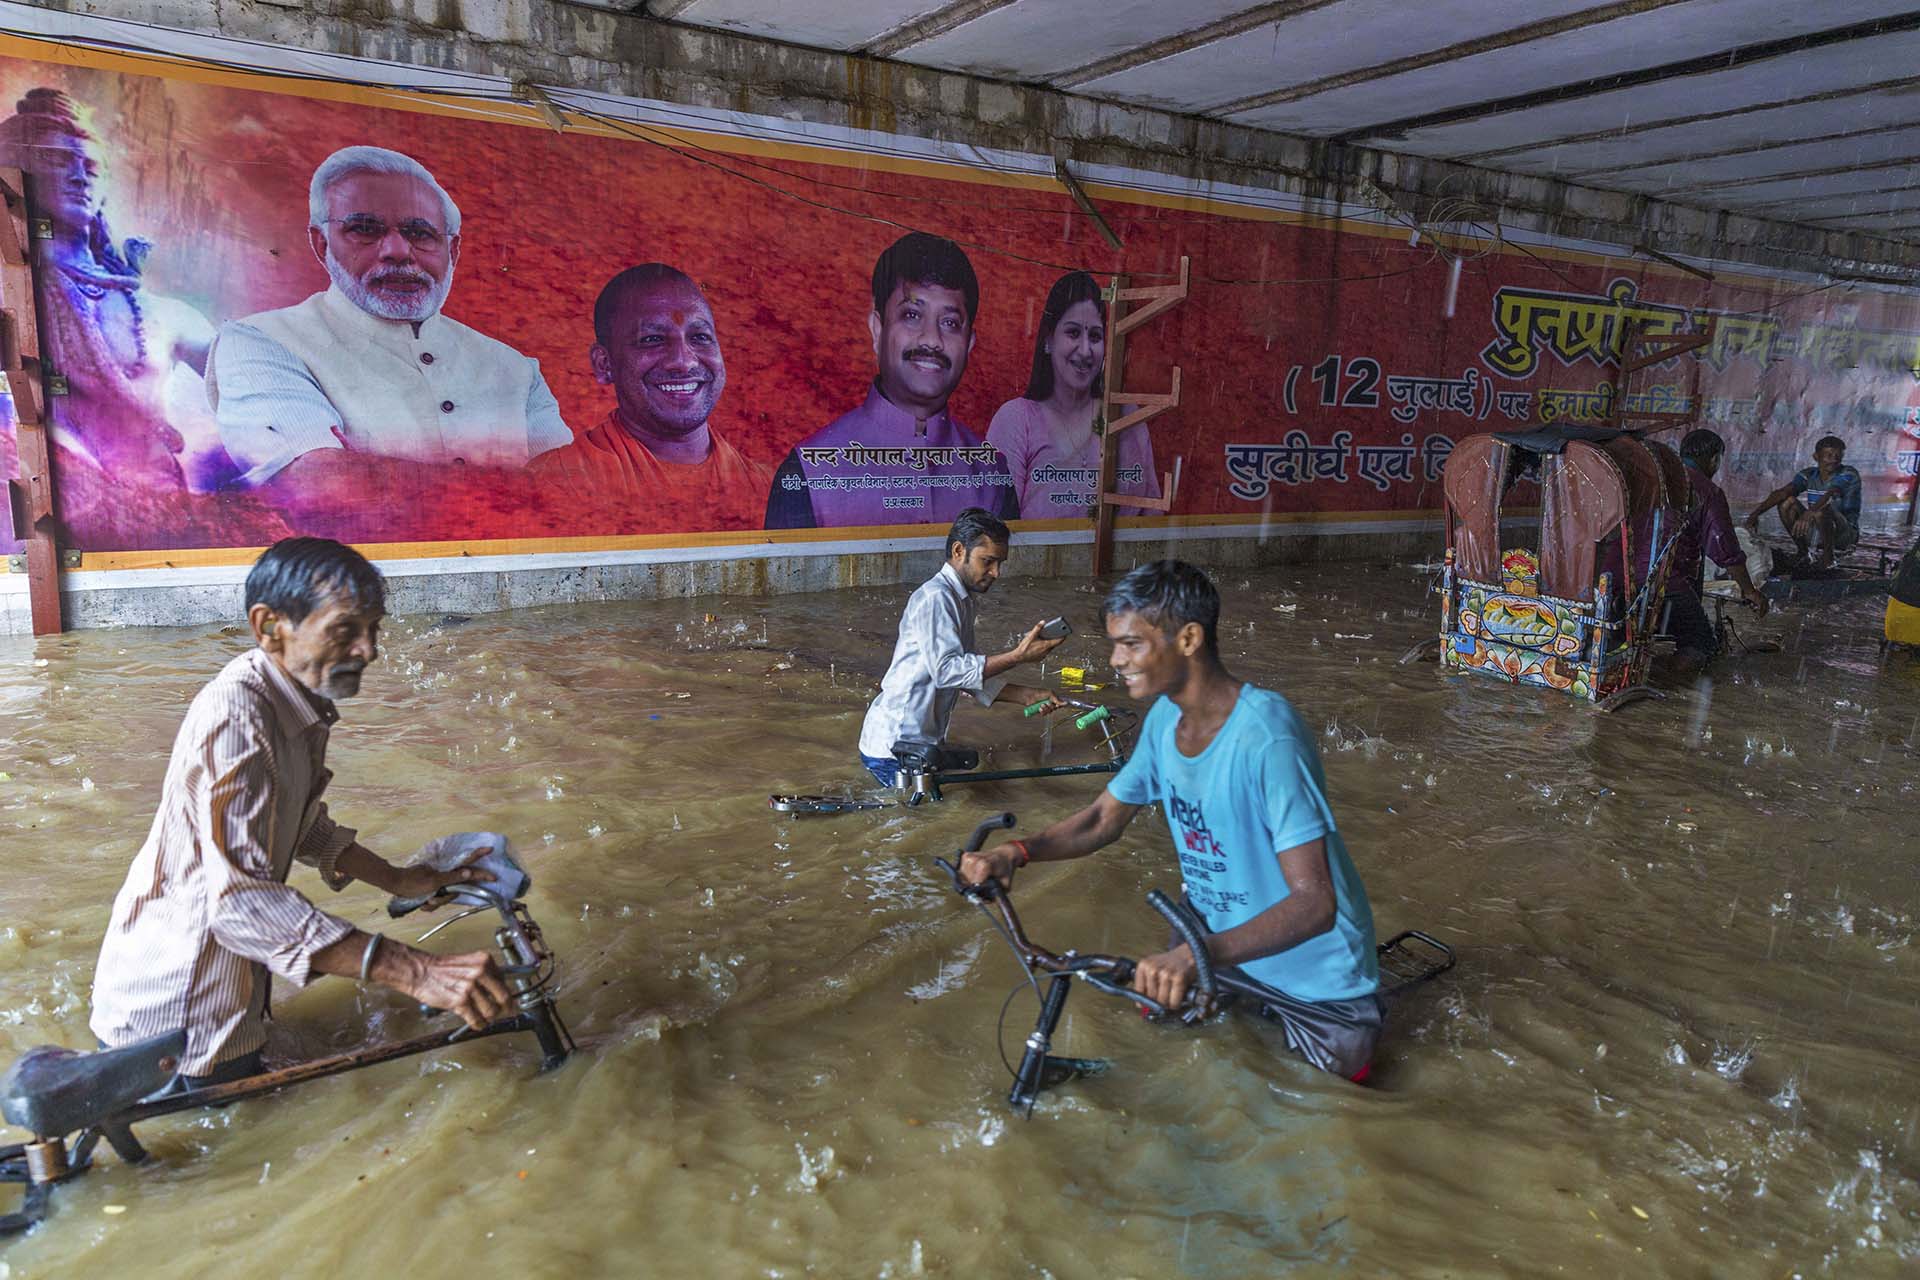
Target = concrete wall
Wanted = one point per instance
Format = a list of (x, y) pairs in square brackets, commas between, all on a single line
[(195, 597), (579, 46)]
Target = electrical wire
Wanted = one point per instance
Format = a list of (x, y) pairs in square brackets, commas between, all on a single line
[(705, 158), (634, 131), (1000, 1030)]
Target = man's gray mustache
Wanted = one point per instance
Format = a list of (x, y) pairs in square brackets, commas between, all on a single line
[(390, 278)]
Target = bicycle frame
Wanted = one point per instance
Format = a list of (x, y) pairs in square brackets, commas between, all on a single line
[(1039, 1070), (923, 786), (917, 785), (51, 1159)]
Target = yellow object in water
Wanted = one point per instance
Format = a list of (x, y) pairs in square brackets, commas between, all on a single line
[(1903, 623), (1076, 674)]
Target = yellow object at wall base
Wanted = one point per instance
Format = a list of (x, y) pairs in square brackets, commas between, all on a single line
[(1903, 623)]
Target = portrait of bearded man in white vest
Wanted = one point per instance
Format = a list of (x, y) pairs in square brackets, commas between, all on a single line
[(366, 387)]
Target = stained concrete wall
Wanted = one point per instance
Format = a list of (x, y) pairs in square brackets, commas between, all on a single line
[(181, 597), (578, 46), (581, 47)]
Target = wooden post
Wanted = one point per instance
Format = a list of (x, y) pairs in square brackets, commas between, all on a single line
[(1640, 351), (1102, 513), (1145, 404), (31, 492)]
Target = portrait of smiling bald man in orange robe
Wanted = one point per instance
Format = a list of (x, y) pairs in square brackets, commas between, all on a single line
[(656, 464)]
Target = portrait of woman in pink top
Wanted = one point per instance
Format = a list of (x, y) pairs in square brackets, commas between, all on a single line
[(1047, 435)]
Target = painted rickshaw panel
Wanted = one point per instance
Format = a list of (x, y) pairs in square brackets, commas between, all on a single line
[(1547, 619)]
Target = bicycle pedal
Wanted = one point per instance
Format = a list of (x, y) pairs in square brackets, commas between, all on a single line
[(1060, 1070), (821, 804)]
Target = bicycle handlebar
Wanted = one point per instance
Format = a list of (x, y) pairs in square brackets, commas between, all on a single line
[(1090, 714), (469, 894), (1184, 926), (998, 822), (1110, 974)]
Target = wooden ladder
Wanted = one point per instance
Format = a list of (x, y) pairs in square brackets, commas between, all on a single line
[(1145, 405)]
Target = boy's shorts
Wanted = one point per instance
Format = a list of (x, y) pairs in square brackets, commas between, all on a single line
[(1334, 1035)]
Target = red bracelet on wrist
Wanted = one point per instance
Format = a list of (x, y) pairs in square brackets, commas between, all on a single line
[(1025, 857)]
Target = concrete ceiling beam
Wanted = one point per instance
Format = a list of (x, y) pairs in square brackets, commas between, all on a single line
[(1387, 130), (1733, 184), (949, 17), (1793, 209), (1759, 148), (1886, 220), (1238, 24), (1671, 122), (1527, 34)]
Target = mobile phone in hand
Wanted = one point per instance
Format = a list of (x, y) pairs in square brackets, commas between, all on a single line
[(1055, 628)]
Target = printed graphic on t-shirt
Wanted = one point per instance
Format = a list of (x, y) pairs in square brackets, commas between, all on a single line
[(1201, 858)]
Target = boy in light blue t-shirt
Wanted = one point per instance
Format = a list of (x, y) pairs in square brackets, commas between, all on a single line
[(1245, 799)]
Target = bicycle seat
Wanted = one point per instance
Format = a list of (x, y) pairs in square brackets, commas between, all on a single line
[(931, 757), (53, 1091)]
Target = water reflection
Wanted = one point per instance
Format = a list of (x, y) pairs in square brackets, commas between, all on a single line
[(1681, 1030)]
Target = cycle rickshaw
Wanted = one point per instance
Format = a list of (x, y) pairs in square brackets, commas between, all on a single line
[(1558, 544)]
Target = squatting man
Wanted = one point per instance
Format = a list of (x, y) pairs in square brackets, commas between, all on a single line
[(206, 912), (1819, 506), (1240, 780)]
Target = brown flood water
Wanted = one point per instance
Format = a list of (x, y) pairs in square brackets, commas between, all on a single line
[(1679, 1041)]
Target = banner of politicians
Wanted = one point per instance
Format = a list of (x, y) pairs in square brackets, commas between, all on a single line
[(266, 309)]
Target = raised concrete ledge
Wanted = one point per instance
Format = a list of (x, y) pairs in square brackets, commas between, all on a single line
[(486, 584)]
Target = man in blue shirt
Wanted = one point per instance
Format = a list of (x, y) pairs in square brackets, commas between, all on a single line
[(1820, 506), (1240, 780)]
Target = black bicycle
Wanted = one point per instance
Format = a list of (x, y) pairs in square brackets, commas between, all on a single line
[(926, 767), (71, 1101), (1406, 959)]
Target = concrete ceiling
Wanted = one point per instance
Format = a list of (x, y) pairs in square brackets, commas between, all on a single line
[(1802, 112)]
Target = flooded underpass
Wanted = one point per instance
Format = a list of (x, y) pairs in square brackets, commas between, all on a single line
[(1678, 1041)]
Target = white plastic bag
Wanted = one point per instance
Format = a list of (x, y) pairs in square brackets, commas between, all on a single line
[(1759, 565), (486, 849)]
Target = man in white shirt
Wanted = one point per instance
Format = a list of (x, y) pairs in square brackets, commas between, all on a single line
[(345, 393), (934, 661)]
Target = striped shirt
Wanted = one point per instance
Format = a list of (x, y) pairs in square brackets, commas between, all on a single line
[(933, 663), (206, 910)]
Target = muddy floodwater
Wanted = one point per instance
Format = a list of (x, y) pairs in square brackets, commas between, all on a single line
[(1680, 1040)]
